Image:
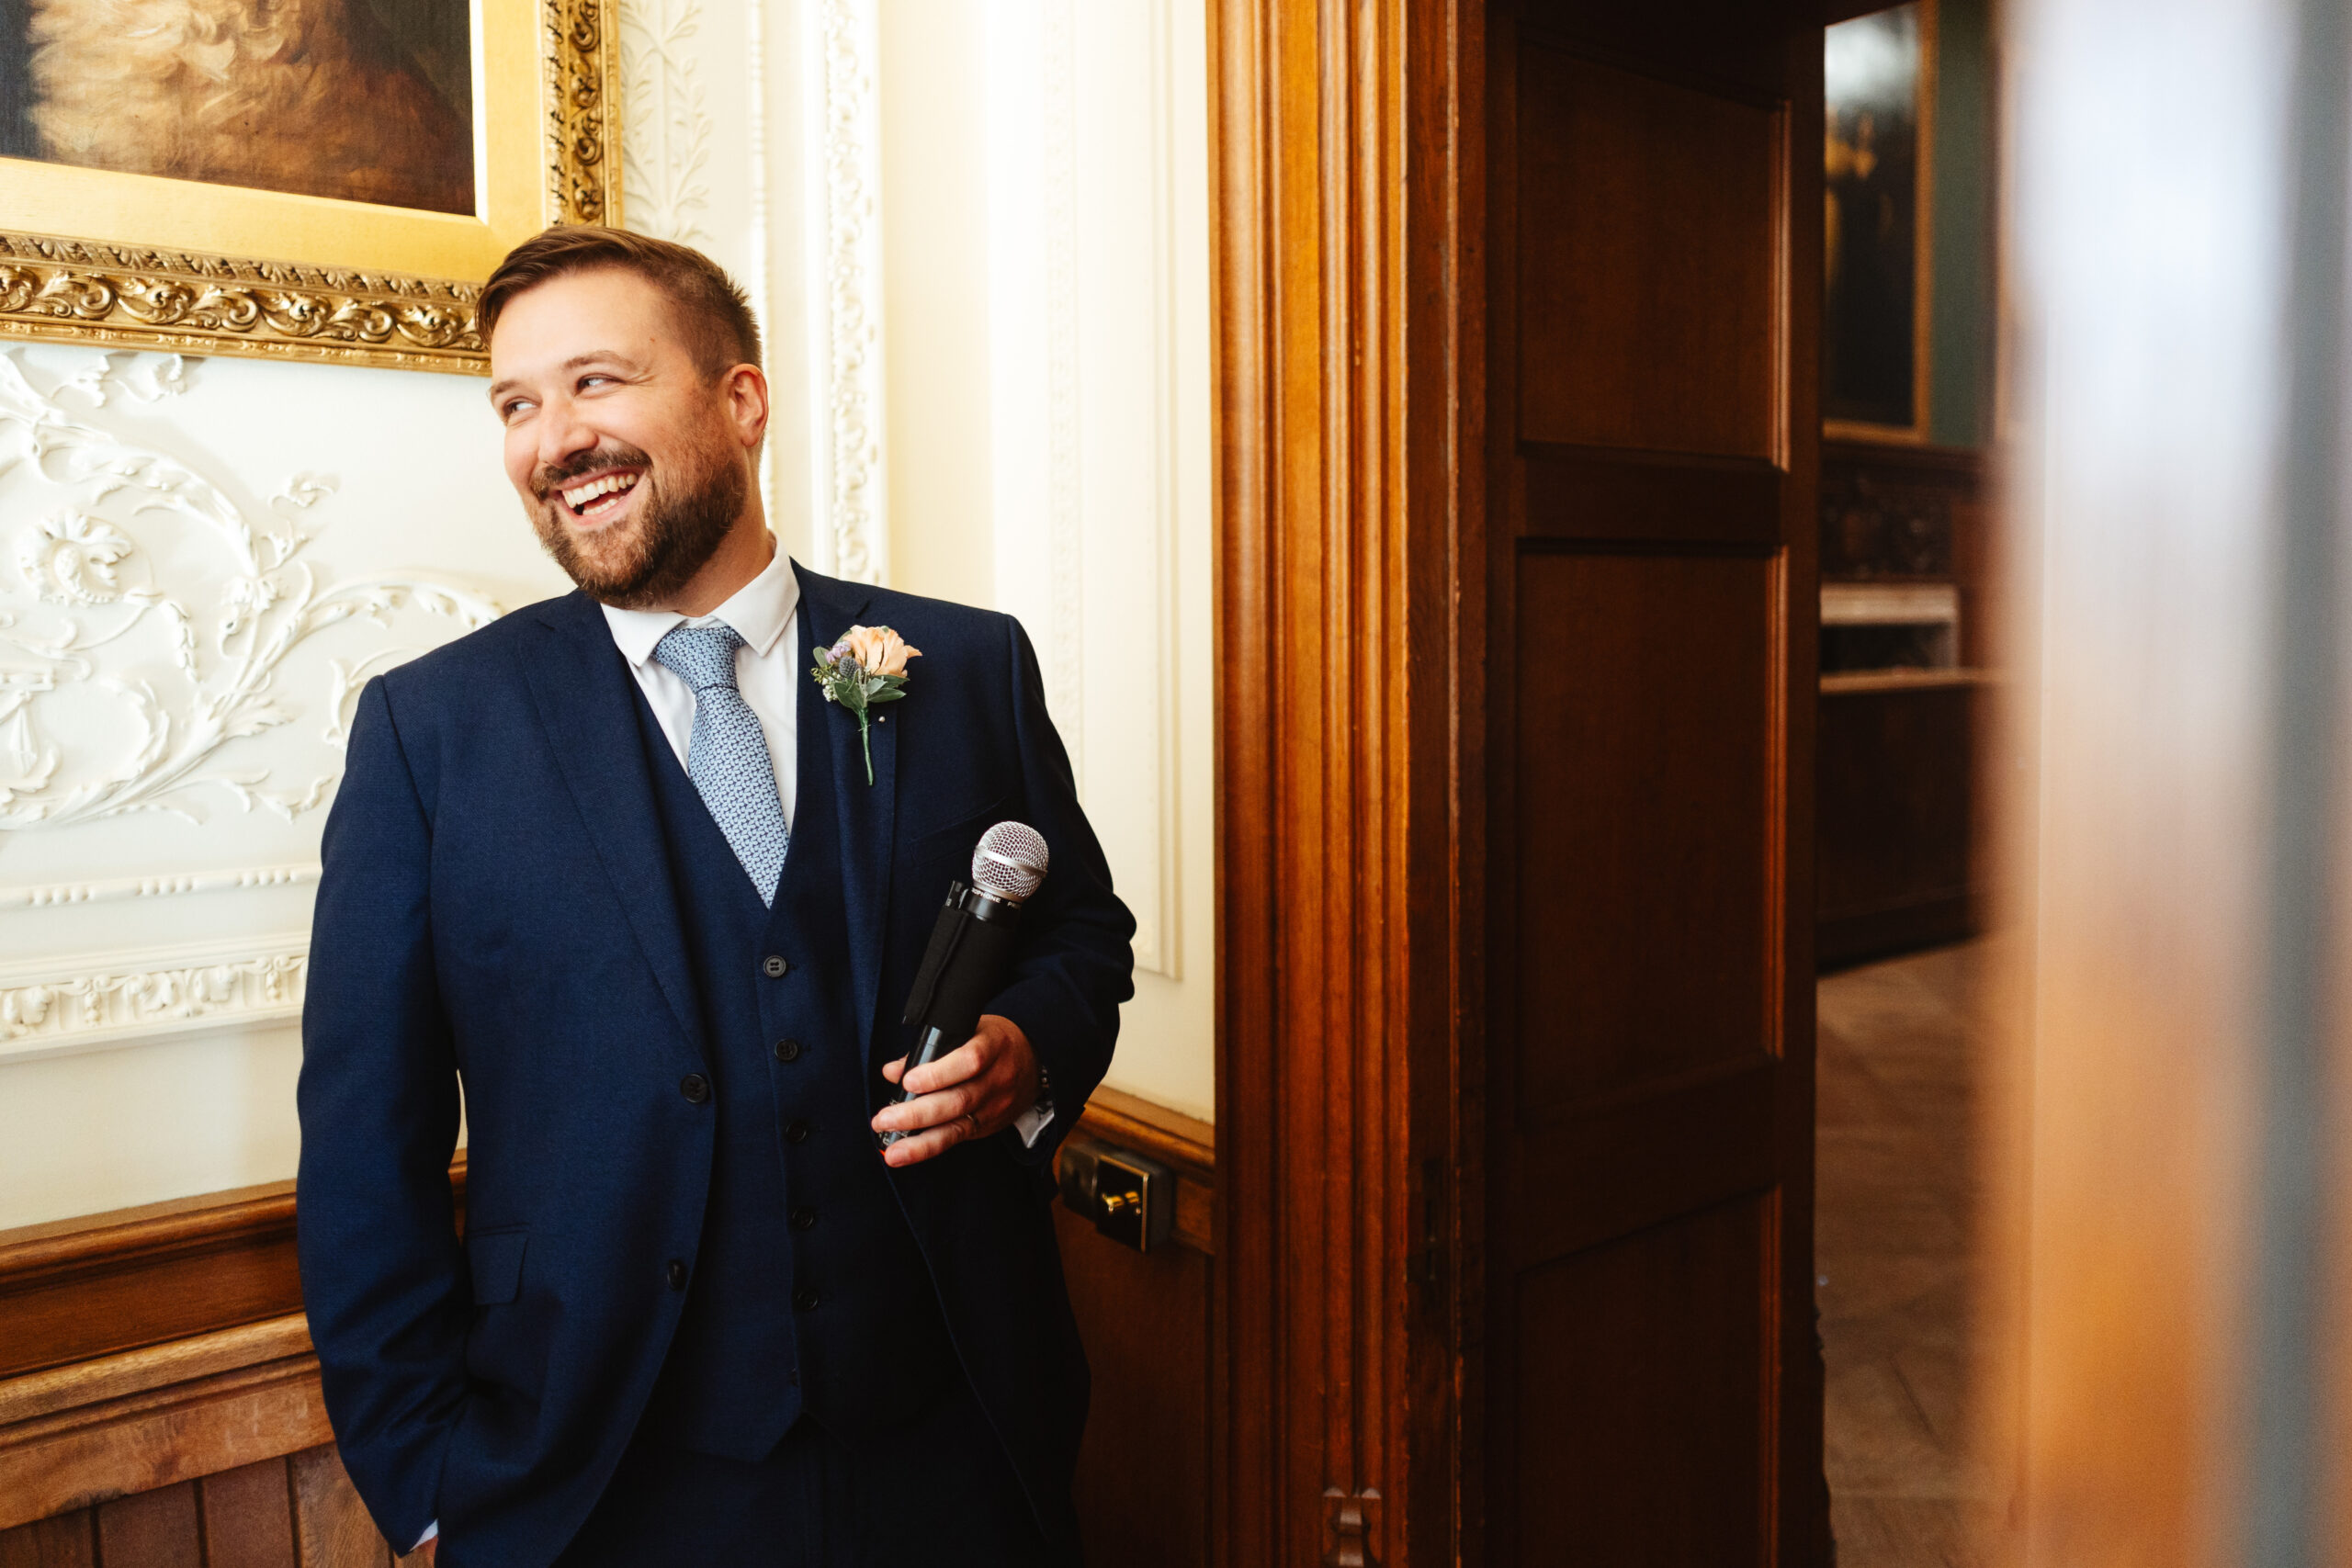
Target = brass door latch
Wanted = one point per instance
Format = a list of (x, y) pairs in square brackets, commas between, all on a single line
[(1130, 1199)]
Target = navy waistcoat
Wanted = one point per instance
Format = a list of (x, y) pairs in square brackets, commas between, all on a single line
[(807, 1291)]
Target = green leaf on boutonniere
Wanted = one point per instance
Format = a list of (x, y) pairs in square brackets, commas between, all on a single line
[(843, 672)]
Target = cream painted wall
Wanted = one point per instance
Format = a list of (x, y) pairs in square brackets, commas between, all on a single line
[(1045, 167), (977, 236), (935, 204)]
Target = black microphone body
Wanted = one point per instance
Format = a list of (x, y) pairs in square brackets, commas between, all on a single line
[(971, 948)]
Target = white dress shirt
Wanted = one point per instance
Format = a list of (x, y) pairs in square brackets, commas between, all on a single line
[(766, 613)]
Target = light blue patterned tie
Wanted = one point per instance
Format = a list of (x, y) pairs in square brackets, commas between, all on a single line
[(728, 755)]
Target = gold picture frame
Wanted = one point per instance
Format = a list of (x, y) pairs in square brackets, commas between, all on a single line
[(134, 261), (1913, 430)]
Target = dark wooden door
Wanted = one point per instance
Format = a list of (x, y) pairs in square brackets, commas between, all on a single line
[(1653, 1386)]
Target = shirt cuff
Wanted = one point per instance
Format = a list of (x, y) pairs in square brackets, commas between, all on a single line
[(1032, 1124), (430, 1531)]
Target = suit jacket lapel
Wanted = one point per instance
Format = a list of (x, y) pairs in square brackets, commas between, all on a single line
[(868, 813), (583, 691)]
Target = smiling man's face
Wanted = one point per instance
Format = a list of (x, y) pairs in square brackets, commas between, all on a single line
[(633, 461)]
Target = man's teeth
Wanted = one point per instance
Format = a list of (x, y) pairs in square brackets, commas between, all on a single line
[(610, 484)]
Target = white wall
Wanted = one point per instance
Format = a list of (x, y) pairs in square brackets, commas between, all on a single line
[(977, 234), (1046, 167)]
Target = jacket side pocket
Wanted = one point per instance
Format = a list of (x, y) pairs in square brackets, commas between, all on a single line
[(496, 1260)]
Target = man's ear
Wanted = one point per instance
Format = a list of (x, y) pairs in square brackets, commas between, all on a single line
[(746, 390)]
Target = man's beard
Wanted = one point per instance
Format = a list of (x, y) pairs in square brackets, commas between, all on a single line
[(669, 538)]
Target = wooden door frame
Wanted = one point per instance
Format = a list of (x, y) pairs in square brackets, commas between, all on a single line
[(1346, 183)]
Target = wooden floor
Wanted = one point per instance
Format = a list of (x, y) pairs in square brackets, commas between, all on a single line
[(1894, 1255)]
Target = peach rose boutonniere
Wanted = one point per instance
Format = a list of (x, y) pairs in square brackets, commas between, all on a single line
[(867, 667)]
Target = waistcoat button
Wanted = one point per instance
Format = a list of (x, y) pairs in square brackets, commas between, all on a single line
[(804, 1218), (775, 966), (787, 1050), (796, 1130), (677, 1273), (805, 1298), (694, 1087)]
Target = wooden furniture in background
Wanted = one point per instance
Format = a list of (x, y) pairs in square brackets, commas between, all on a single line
[(1899, 829), (1654, 1393), (1899, 868)]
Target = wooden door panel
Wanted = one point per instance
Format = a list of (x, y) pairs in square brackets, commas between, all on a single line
[(1644, 712), (1679, 1396), (1653, 181), (1612, 496), (1649, 263), (1635, 1160)]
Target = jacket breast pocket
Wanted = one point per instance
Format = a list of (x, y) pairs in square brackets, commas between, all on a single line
[(959, 829), (495, 1258)]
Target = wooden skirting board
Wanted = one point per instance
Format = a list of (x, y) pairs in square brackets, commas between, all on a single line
[(152, 1347)]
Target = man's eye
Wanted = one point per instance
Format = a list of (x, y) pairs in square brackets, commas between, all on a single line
[(588, 381), (509, 410)]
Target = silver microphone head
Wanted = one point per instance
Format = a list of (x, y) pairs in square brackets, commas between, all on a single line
[(1009, 861)]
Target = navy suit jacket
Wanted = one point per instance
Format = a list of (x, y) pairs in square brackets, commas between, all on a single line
[(497, 908)]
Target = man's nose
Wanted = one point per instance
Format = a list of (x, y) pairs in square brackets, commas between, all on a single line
[(563, 434)]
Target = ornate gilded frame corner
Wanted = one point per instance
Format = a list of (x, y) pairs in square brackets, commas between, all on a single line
[(111, 294)]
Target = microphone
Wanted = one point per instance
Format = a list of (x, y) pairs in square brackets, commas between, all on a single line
[(971, 946)]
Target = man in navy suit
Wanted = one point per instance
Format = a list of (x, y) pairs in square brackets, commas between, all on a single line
[(615, 865)]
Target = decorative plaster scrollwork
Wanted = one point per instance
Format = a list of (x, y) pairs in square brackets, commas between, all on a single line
[(93, 1003), (103, 626), (665, 148), (847, 156)]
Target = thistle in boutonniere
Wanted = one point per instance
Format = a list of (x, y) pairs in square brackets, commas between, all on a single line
[(866, 667)]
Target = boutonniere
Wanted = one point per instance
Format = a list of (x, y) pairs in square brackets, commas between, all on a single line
[(866, 667)]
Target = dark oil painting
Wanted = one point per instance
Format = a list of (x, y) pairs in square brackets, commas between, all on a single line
[(1871, 82), (364, 100)]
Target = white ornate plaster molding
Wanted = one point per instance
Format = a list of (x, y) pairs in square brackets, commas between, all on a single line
[(118, 889), (846, 333), (666, 133), (96, 1003), (67, 622)]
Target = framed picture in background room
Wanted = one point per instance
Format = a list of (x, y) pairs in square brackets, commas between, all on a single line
[(1879, 124), (311, 179)]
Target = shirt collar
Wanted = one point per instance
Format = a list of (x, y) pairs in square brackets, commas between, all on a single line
[(758, 612)]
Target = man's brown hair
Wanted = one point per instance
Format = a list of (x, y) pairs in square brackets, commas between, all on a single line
[(715, 316)]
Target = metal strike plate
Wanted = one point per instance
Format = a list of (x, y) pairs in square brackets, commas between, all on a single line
[(1130, 1199)]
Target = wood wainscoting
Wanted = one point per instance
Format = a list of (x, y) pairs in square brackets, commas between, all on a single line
[(1143, 1478), (160, 1404), (159, 1399)]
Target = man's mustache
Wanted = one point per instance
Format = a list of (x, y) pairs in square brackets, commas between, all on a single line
[(544, 482)]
